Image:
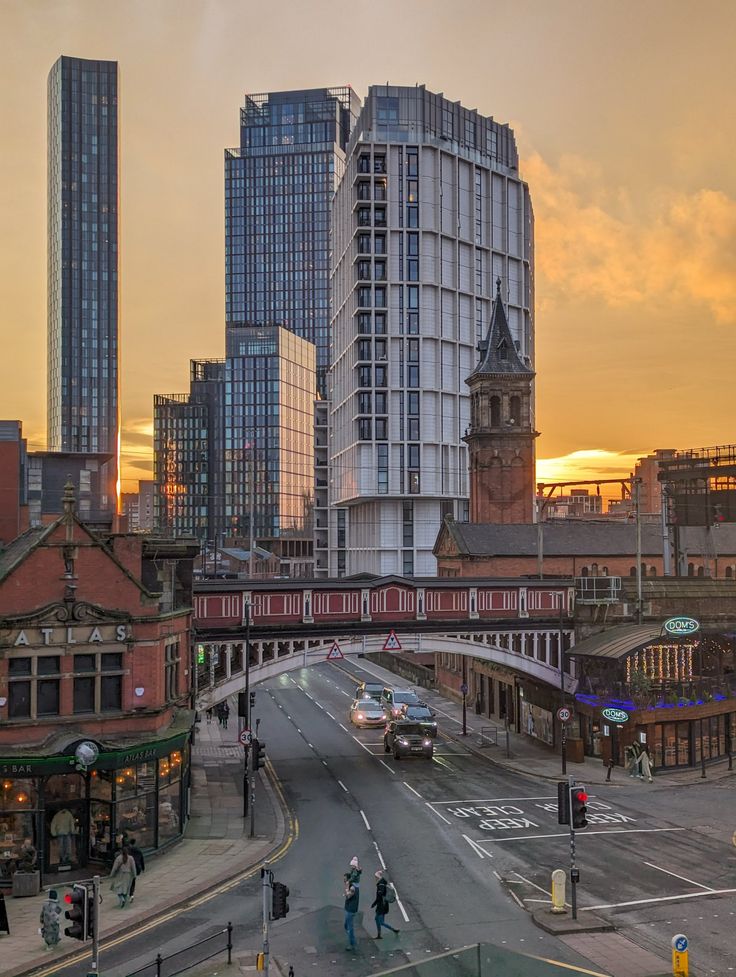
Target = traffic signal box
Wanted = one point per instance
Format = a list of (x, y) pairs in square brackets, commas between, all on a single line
[(77, 914), (572, 801), (579, 807), (259, 754), (91, 915), (279, 905)]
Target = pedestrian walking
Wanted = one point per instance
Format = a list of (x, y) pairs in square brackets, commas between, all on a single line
[(50, 915), (140, 864), (220, 716), (382, 904), (352, 900), (225, 714), (633, 759), (209, 716), (647, 763), (123, 873)]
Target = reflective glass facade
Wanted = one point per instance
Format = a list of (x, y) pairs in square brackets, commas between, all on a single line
[(83, 384), (278, 190), (269, 433)]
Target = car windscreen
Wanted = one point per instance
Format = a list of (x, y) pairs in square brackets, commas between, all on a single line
[(369, 707), (407, 697), (409, 729), (418, 712)]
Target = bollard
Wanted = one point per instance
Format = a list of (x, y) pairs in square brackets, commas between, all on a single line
[(558, 891)]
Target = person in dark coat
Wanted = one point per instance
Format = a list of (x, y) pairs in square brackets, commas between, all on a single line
[(225, 714), (382, 906), (140, 864)]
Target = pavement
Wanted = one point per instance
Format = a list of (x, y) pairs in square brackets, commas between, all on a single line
[(529, 756), (216, 848)]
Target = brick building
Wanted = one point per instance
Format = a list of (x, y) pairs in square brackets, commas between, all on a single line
[(95, 696)]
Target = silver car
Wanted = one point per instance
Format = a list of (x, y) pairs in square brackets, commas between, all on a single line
[(367, 712)]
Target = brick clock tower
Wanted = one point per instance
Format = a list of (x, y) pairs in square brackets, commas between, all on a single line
[(501, 435)]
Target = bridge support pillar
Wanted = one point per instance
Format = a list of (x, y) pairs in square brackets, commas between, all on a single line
[(228, 661)]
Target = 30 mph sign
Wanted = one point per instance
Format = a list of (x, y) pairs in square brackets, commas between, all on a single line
[(245, 737), (563, 715)]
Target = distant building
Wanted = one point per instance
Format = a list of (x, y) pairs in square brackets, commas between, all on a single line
[(430, 213), (83, 263), (138, 507), (13, 481), (578, 504), (89, 474)]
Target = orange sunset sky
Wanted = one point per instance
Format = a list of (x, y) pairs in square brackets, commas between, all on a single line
[(624, 114)]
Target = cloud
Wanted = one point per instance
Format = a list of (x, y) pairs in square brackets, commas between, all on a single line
[(588, 464), (592, 240)]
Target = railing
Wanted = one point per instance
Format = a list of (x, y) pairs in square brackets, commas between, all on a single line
[(160, 961), (484, 960), (597, 590)]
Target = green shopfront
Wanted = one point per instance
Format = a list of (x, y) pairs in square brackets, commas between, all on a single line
[(78, 813)]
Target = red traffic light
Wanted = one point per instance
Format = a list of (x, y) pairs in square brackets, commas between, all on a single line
[(582, 796), (68, 897)]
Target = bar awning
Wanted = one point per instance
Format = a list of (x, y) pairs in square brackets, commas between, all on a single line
[(616, 642)]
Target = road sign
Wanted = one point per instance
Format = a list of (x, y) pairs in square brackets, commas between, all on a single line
[(392, 643), (680, 964), (334, 653), (563, 714), (464, 688), (245, 737)]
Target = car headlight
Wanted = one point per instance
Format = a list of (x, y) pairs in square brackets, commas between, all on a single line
[(360, 715), (404, 742), (428, 742)]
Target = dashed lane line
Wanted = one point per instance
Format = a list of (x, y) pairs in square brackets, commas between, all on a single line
[(365, 820), (380, 856), (392, 772), (412, 789), (440, 816), (343, 786)]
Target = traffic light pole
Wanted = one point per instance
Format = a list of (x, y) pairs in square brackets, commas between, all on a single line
[(252, 755), (573, 867), (96, 902), (266, 890)]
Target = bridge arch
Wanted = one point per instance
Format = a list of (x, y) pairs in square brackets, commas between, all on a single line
[(270, 658)]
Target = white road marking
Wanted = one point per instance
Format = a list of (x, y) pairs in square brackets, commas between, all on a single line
[(497, 875), (310, 746), (492, 800), (298, 730), (566, 834), (441, 816), (345, 693), (516, 899), (476, 848), (400, 904), (680, 877), (365, 820), (324, 763), (360, 743), (393, 772), (380, 856), (342, 727), (330, 714), (412, 789), (448, 766), (318, 704), (642, 902), (343, 786), (533, 884)]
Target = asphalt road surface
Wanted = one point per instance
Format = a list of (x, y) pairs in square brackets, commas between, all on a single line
[(469, 846)]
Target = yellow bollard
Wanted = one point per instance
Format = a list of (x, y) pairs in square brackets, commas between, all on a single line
[(680, 962), (558, 891)]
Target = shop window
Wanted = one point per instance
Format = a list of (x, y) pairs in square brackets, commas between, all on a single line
[(169, 806), (137, 820), (100, 784), (98, 683), (18, 802)]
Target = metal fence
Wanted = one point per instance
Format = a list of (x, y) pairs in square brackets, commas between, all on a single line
[(159, 962), (484, 960)]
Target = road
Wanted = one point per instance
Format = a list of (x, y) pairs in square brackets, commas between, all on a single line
[(470, 847)]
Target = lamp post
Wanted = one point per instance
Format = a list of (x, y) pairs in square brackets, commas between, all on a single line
[(248, 749)]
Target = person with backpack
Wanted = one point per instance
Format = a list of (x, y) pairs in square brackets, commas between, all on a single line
[(385, 895)]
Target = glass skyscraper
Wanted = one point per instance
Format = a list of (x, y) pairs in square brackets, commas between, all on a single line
[(83, 356), (279, 185)]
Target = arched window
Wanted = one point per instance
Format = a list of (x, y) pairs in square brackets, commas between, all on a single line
[(515, 409), (701, 571), (604, 571), (584, 572), (652, 571), (691, 569), (594, 570), (632, 571), (729, 573), (495, 411)]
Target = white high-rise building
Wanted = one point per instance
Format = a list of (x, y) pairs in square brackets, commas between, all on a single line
[(430, 212)]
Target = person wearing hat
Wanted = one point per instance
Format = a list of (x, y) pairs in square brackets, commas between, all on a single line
[(382, 905), (355, 870), (50, 916), (352, 900)]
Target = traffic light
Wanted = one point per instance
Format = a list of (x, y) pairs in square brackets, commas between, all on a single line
[(252, 700), (91, 914), (279, 905), (578, 806), (563, 802), (77, 899), (242, 705), (259, 754)]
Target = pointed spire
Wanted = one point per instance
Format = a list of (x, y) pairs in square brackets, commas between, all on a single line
[(498, 353)]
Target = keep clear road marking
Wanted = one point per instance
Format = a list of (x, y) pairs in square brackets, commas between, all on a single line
[(412, 789), (680, 877)]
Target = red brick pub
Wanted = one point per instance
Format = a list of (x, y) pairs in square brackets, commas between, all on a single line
[(95, 712)]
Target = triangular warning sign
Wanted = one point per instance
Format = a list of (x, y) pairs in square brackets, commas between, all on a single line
[(334, 652), (392, 642)]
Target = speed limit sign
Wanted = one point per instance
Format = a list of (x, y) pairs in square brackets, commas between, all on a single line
[(563, 714)]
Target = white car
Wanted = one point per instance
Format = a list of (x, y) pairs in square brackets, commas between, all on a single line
[(367, 712)]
